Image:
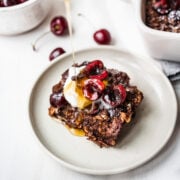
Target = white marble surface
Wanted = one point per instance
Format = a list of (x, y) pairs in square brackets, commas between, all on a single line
[(20, 156)]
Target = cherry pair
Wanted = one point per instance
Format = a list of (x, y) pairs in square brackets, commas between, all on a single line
[(59, 27), (94, 87)]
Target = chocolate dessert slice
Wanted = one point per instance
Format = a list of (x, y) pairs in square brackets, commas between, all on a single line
[(95, 100)]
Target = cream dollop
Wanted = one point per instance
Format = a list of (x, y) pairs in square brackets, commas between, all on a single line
[(70, 87), (72, 93)]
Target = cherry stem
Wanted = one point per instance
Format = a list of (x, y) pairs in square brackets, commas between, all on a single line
[(88, 20), (39, 38)]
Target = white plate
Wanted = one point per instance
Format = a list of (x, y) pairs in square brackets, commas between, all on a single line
[(156, 116)]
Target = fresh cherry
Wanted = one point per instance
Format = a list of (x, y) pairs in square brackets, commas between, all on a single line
[(115, 96), (58, 26), (95, 70), (93, 89), (56, 52), (57, 100), (102, 36)]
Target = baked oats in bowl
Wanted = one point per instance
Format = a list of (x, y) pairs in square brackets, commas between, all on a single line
[(163, 15), (159, 24)]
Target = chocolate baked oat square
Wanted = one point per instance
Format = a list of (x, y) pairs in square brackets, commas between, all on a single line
[(95, 101)]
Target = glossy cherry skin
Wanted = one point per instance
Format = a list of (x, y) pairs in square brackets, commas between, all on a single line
[(95, 70), (11, 2), (94, 67), (1, 4), (103, 75), (58, 25), (21, 1), (56, 52), (115, 96), (93, 89), (162, 6), (57, 100), (102, 36)]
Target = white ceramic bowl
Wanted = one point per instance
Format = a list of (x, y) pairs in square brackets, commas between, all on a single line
[(160, 44), (23, 17)]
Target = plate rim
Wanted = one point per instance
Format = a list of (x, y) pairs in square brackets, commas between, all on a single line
[(115, 170)]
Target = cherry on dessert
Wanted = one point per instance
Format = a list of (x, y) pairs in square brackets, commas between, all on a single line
[(93, 89), (162, 6), (115, 96), (165, 6), (56, 52), (59, 25), (94, 67), (120, 90), (102, 36), (95, 70), (57, 100), (103, 75)]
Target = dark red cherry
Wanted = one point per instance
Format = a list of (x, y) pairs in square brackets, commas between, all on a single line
[(7, 3), (57, 100), (59, 25), (22, 1), (94, 67), (10, 2), (102, 36), (93, 89), (56, 52), (95, 70), (115, 96), (162, 6), (103, 75), (2, 4)]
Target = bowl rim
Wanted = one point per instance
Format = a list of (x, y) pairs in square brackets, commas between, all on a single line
[(146, 29), (18, 6)]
